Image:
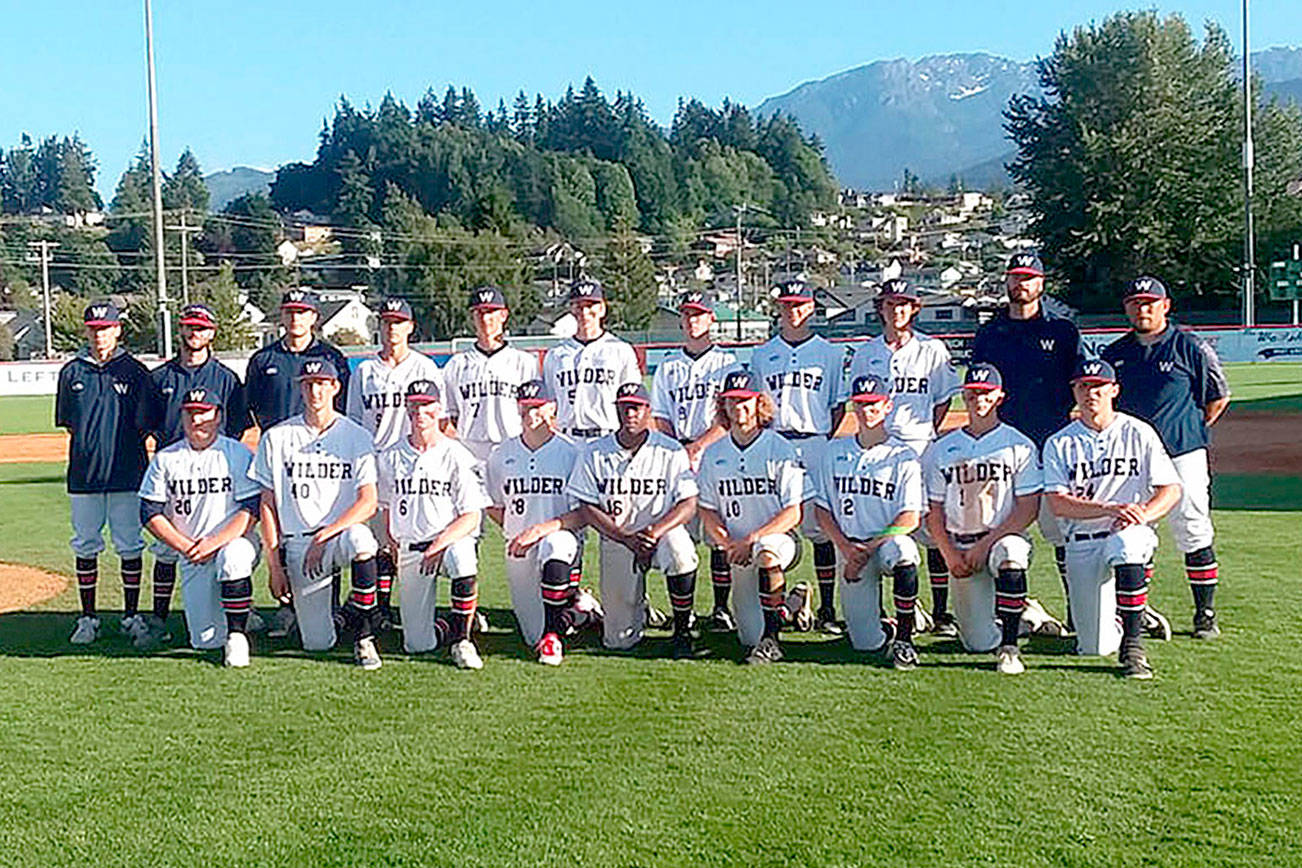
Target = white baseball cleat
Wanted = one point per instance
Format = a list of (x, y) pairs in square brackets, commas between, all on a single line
[(366, 654), (465, 655), (550, 650), (256, 623), (130, 624), (481, 622), (1008, 661), (87, 630), (237, 651), (798, 612), (586, 610)]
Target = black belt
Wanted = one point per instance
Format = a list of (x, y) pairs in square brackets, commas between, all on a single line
[(420, 546), (586, 432), (1086, 537), (966, 539), (799, 435)]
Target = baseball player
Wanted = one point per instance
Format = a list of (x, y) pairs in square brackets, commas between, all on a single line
[(868, 498), (752, 488), (922, 379), (482, 381), (317, 472), (526, 479), (198, 500), (1108, 479), (432, 497), (376, 392), (983, 485), (98, 402), (1035, 353), (1173, 380), (803, 372), (636, 488), (272, 388), (194, 367), (684, 395)]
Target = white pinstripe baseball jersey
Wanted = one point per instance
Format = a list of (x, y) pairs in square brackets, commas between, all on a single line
[(804, 380), (685, 386), (529, 484), (635, 488), (424, 490), (748, 486), (921, 375), (481, 391), (865, 489), (583, 378), (376, 392), (977, 478)]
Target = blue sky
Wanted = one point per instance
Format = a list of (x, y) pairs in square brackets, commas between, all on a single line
[(248, 83)]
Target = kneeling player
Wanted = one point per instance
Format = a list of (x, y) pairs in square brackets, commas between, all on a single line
[(526, 478), (317, 472), (637, 489), (197, 498), (868, 498), (983, 483), (1108, 478), (752, 486), (433, 498)]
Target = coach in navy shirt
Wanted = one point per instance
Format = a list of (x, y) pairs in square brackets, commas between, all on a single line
[(1174, 381), (271, 384), (194, 367), (98, 402)]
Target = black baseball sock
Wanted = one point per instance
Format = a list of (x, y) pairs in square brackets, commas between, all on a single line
[(1203, 572), (1132, 597), (720, 577), (361, 599), (556, 597), (465, 596), (385, 572), (825, 571), (938, 575), (164, 582), (1010, 603), (131, 570), (87, 578), (682, 593), (905, 588), (1060, 561), (237, 600), (772, 594)]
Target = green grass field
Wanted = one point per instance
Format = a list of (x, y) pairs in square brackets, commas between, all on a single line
[(827, 759)]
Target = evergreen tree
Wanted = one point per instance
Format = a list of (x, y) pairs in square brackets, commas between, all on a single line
[(185, 189), (630, 281), (19, 190)]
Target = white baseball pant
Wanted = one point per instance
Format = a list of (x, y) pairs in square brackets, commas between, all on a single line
[(746, 607), (1191, 520), (1092, 586), (201, 588), (524, 579), (120, 510), (314, 596), (1050, 527), (419, 591), (623, 586), (973, 597), (861, 601), (809, 452)]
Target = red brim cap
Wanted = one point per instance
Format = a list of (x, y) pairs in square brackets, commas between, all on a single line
[(795, 299), (394, 315), (1093, 381), (297, 305), (738, 393), (981, 387), (693, 307), (533, 402), (868, 397), (489, 306), (198, 405), (1032, 272), (102, 323), (1143, 296), (198, 323), (633, 399), (421, 399)]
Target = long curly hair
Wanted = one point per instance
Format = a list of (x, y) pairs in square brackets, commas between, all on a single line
[(767, 410)]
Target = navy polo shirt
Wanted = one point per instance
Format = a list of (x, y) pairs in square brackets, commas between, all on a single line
[(168, 383), (271, 384), (1168, 383), (99, 405), (1035, 357)]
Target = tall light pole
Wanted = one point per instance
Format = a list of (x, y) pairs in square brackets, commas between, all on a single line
[(165, 320), (1249, 245)]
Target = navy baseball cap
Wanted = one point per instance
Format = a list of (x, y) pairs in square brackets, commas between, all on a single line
[(101, 314), (695, 302), (199, 316), (1025, 263), (982, 377), (318, 369), (741, 384), (395, 308), (1145, 289), (897, 287), (867, 389), (1093, 371), (298, 299), (632, 393), (487, 298), (422, 392), (200, 399), (532, 394), (795, 292), (587, 290)]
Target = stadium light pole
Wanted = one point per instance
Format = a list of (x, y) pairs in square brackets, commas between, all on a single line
[(1249, 245), (165, 321)]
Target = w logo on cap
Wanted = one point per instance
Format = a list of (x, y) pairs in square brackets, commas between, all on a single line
[(99, 311), (313, 368), (485, 296), (979, 375), (1092, 369), (393, 305), (583, 289), (1145, 284), (196, 396)]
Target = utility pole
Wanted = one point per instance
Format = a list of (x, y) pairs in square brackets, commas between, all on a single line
[(739, 209), (1297, 255), (185, 230), (1249, 245), (165, 320), (45, 247)]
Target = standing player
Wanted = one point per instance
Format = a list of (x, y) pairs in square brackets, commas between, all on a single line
[(194, 367), (1035, 353), (1173, 381), (922, 379), (752, 489), (526, 478), (684, 400), (376, 391), (983, 485), (273, 392), (431, 498), (98, 402), (1108, 478), (482, 381), (198, 500), (868, 498), (802, 372), (637, 490), (317, 472)]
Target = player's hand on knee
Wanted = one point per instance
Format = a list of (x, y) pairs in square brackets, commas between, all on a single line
[(1128, 514), (277, 581), (429, 562), (203, 550), (526, 539), (312, 560), (646, 543), (738, 551)]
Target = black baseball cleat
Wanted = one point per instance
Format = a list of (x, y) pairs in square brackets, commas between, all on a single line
[(680, 647), (825, 622), (889, 628), (767, 651), (384, 620), (903, 655), (944, 625), (1204, 625), (721, 620), (1134, 662)]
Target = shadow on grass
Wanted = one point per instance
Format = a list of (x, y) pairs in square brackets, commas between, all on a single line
[(37, 479)]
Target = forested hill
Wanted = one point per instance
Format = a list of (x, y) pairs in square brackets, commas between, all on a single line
[(579, 166)]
